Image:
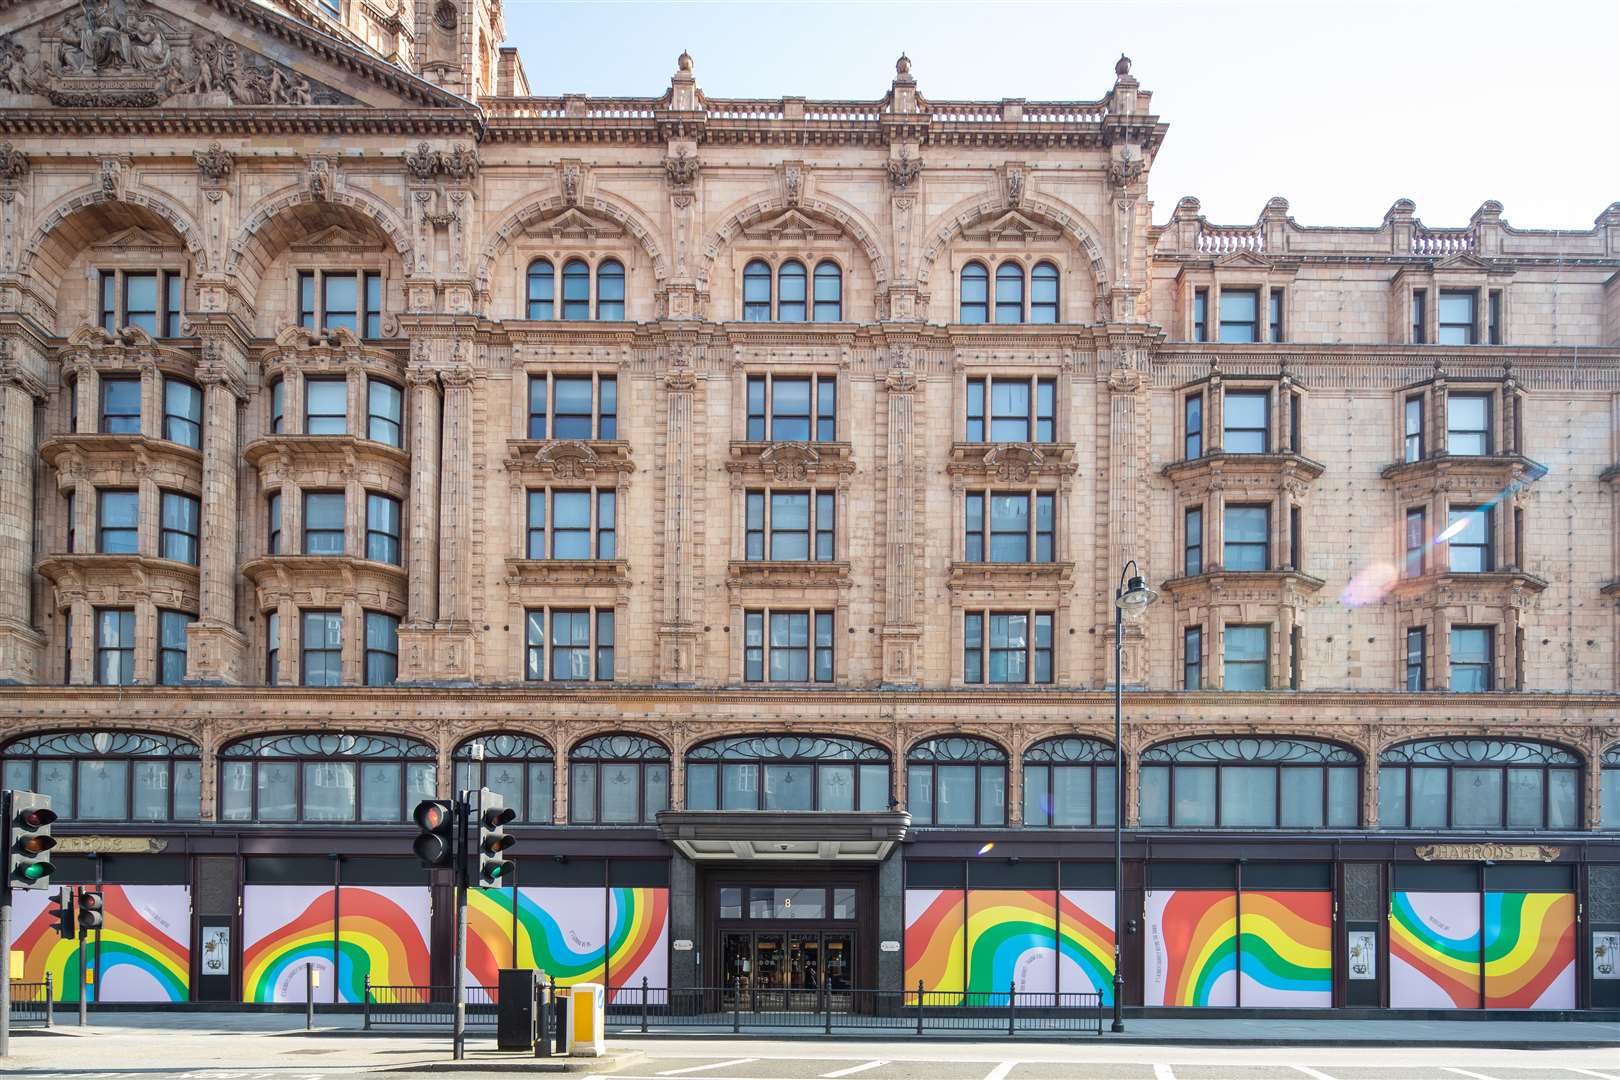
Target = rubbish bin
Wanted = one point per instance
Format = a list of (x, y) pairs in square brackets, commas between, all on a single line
[(516, 1017)]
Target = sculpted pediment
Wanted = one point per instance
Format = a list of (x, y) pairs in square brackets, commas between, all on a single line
[(791, 225), (1240, 259), (572, 224), (1462, 261), (336, 237), (1011, 226), (133, 238), (120, 54)]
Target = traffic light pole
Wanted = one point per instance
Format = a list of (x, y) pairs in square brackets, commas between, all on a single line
[(5, 953), (463, 817), (83, 933)]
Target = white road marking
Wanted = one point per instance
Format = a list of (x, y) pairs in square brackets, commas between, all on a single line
[(1465, 1072), (1000, 1071), (705, 1068), (1587, 1072), (1162, 1072), (1314, 1074), (852, 1070)]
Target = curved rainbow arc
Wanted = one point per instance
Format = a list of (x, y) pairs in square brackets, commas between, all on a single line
[(44, 952), (934, 940), (1003, 926), (489, 934), (1089, 943), (129, 939), (1286, 942), (1200, 937), (543, 945), (1529, 946), (377, 939), (306, 937), (638, 919), (1450, 963)]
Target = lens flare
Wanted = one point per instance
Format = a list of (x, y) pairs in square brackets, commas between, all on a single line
[(1369, 586), (986, 849)]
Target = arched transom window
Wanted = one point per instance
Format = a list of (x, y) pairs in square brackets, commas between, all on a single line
[(617, 779), (324, 778), (1017, 298), (580, 302), (1250, 784), (109, 775), (1478, 784), (956, 780), (787, 772), (796, 296), (517, 767), (1069, 782)]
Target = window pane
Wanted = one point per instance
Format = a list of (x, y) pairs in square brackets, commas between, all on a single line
[(655, 790), (151, 791), (1248, 796), (582, 793), (835, 787), (236, 791), (740, 787), (954, 791), (103, 791), (1524, 797), (506, 779), (1302, 798), (1195, 795), (787, 787), (992, 795), (1430, 798), (1344, 797), (1564, 798), (1391, 797), (621, 791), (326, 406), (920, 793), (380, 791), (1155, 795), (1071, 795), (874, 787), (1476, 798), (277, 785), (329, 791), (187, 790)]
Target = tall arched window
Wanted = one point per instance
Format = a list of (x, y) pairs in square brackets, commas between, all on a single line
[(1069, 782), (787, 772), (975, 302), (517, 767), (542, 290), (109, 775), (324, 778), (1009, 293), (757, 292), (576, 288), (1043, 293), (1478, 784), (617, 779), (790, 292), (1250, 784), (610, 290), (957, 780), (1609, 791), (829, 292)]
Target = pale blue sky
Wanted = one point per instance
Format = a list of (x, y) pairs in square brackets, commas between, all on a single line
[(1339, 107)]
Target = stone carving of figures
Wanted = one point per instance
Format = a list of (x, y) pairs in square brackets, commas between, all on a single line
[(298, 91), (96, 38), (14, 74), (149, 49)]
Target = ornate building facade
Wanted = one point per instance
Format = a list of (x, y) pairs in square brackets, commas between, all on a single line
[(742, 487)]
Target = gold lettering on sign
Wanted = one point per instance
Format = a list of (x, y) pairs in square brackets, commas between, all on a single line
[(110, 845), (1488, 852)]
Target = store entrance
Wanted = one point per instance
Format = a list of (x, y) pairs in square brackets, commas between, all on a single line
[(788, 969), (782, 944)]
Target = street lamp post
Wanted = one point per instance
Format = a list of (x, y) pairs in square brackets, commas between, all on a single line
[(1131, 599)]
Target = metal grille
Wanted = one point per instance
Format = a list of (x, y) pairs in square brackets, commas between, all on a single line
[(216, 886), (1363, 900), (31, 1003), (426, 1006), (1604, 893)]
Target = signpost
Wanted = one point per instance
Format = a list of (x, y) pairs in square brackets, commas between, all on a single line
[(28, 818)]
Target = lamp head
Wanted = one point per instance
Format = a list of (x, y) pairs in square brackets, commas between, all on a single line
[(1134, 599)]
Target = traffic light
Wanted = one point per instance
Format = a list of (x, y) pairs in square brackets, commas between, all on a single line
[(493, 843), (92, 910), (28, 840), (435, 843), (65, 915)]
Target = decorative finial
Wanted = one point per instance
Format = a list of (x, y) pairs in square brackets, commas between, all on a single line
[(902, 66), (1123, 67), (684, 62)]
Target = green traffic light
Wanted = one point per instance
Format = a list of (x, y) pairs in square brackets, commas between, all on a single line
[(34, 871), (498, 870)]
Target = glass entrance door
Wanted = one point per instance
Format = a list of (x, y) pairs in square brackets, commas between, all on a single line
[(775, 969)]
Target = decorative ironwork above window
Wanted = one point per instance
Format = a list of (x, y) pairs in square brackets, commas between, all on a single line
[(1290, 751), (619, 748), (100, 744), (956, 748), (326, 746), (1611, 756), (1476, 751), (1070, 749), (503, 747), (799, 747)]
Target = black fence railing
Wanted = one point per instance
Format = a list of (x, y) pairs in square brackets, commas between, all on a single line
[(31, 1002), (426, 1006)]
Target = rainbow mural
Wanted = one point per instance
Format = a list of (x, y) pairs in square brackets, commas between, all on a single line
[(936, 927), (489, 934), (145, 945), (638, 940), (1434, 950), (1529, 950), (1012, 941), (563, 932), (1086, 942), (1192, 947), (285, 928), (1285, 954), (382, 935)]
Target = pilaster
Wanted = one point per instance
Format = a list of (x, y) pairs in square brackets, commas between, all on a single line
[(902, 634), (22, 647), (677, 631), (215, 646)]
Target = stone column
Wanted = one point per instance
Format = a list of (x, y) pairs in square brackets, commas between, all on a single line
[(455, 500), (216, 648), (677, 632), (22, 647), (901, 633), (1123, 529), (423, 596)]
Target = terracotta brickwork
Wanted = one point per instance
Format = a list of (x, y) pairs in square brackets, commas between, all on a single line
[(340, 226)]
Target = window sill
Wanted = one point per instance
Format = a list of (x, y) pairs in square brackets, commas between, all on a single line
[(1446, 587), (576, 573), (795, 573), (1283, 465), (989, 575), (89, 574), (1222, 585), (1012, 462), (326, 581), (97, 454), (790, 462), (1498, 468), (588, 460)]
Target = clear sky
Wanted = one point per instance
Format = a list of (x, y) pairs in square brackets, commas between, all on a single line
[(1341, 108)]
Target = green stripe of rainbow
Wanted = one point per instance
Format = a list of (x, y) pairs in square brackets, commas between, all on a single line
[(1529, 947), (307, 937), (1286, 947), (128, 940), (1200, 939)]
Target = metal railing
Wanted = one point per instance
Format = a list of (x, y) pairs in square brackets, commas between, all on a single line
[(739, 1008), (426, 1006), (31, 1002)]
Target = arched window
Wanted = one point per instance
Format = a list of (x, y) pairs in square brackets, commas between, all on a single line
[(610, 291), (1043, 293), (1250, 784), (757, 292), (956, 780), (787, 772), (1069, 782), (1478, 784), (109, 775), (975, 305), (1009, 293), (542, 290), (576, 287), (324, 778), (829, 292), (790, 292), (516, 767), (616, 780), (1609, 793)]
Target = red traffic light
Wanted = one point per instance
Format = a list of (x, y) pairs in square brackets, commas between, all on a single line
[(37, 817), (431, 815), (494, 819), (91, 901)]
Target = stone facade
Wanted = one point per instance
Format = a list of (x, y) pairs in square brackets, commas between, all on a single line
[(230, 145)]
